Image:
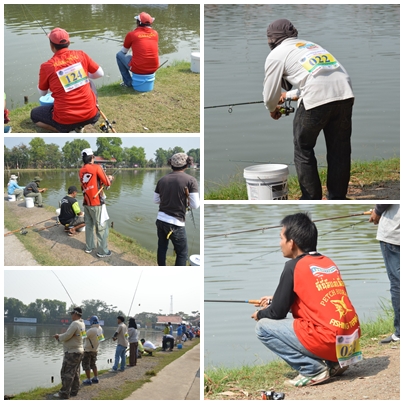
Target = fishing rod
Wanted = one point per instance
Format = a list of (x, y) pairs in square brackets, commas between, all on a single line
[(134, 293), (102, 187), (230, 106), (108, 39), (106, 125), (233, 301), (35, 19), (277, 226), (22, 229), (64, 288), (47, 227), (321, 235)]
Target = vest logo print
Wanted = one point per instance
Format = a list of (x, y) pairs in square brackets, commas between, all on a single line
[(341, 307), (318, 271), (86, 178)]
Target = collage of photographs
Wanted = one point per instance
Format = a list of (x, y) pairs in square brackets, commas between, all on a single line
[(258, 145)]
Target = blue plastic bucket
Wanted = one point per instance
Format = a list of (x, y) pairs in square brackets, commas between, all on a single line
[(179, 346), (143, 82), (46, 100)]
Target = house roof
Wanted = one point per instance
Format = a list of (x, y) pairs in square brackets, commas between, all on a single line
[(100, 159), (169, 319)]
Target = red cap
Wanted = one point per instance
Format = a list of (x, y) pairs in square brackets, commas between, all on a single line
[(144, 18), (59, 36)]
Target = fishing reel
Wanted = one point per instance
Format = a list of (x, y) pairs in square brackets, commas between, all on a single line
[(23, 231), (286, 109), (105, 127), (271, 395)]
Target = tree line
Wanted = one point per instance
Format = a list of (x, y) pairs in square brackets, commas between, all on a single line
[(48, 311), (39, 154)]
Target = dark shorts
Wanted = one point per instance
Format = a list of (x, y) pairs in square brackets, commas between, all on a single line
[(74, 222), (44, 114), (89, 360)]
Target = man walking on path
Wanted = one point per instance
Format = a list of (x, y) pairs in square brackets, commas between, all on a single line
[(73, 353), (388, 234)]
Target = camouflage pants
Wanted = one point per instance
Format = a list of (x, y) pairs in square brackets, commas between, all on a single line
[(89, 360), (70, 374)]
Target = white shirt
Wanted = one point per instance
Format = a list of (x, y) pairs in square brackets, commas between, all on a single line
[(388, 229), (291, 60)]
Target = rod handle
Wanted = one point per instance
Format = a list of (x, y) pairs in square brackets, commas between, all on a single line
[(254, 302)]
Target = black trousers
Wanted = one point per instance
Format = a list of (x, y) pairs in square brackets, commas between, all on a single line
[(335, 120)]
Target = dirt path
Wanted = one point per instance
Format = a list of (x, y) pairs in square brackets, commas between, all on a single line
[(384, 190), (377, 377), (55, 241)]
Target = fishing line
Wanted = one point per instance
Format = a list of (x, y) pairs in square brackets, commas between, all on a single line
[(130, 308), (35, 19), (233, 301), (321, 235), (278, 226), (64, 287)]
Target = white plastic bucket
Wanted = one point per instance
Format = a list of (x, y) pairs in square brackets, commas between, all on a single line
[(29, 202), (267, 182), (58, 212), (195, 260), (195, 62), (11, 198), (82, 228)]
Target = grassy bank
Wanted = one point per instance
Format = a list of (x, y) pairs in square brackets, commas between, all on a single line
[(118, 392), (46, 256), (172, 107), (251, 379), (364, 175)]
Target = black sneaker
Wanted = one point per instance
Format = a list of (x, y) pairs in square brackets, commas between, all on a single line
[(108, 254), (40, 206)]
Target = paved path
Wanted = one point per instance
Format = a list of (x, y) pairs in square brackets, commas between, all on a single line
[(15, 252), (180, 380)]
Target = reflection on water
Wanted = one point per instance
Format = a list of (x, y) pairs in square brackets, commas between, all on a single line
[(129, 201), (364, 38), (32, 356), (247, 266), (26, 46)]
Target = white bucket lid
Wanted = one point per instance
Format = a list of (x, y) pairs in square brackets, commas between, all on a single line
[(196, 55), (195, 260), (266, 171)]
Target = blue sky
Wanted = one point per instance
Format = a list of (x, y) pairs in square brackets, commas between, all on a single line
[(150, 143)]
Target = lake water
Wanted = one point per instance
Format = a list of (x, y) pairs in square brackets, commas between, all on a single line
[(247, 266), (129, 202), (31, 362), (364, 38), (26, 46)]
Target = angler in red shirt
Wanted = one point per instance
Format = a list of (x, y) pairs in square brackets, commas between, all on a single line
[(145, 50), (67, 76), (322, 338), (93, 182)]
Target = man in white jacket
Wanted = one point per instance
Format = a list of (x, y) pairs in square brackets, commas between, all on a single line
[(325, 101)]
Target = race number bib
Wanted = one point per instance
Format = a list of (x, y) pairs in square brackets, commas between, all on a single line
[(83, 334), (348, 349), (100, 337), (316, 60), (72, 77)]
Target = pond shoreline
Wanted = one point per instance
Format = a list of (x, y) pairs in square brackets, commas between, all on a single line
[(49, 245)]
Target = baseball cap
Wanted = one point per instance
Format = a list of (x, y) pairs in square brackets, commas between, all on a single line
[(144, 18), (94, 320), (87, 152), (59, 36)]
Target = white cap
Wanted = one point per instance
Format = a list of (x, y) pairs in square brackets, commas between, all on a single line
[(87, 152)]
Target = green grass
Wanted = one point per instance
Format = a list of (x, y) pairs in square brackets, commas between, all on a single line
[(249, 380), (363, 174), (172, 107)]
